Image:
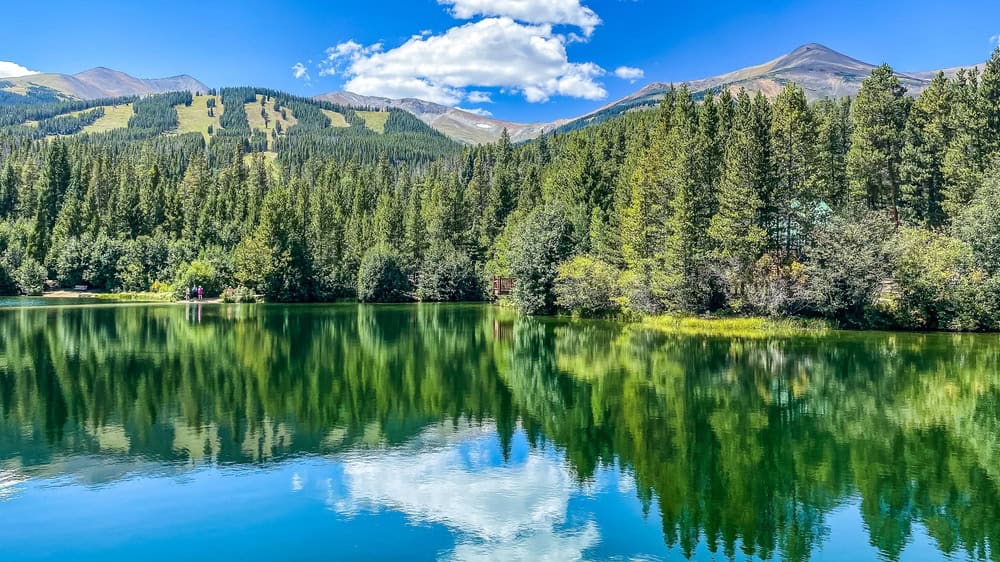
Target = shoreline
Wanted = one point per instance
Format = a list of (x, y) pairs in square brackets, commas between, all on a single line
[(125, 298), (722, 326)]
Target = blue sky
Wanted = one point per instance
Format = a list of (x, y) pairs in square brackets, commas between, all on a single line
[(518, 59)]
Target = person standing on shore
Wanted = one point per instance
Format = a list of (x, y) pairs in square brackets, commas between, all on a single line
[(201, 293)]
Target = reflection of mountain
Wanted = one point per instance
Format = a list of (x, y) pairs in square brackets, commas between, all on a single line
[(738, 445)]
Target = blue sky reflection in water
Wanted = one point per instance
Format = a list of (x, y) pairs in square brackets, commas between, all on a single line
[(463, 432), (449, 495)]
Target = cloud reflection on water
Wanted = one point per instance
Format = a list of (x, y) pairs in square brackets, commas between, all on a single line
[(500, 510)]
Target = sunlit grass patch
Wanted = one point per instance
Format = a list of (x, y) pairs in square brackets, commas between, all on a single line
[(135, 297), (195, 119), (257, 121), (748, 327), (375, 120), (115, 117), (336, 119)]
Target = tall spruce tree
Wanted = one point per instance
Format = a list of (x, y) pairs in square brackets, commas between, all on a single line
[(873, 162), (834, 142), (644, 221), (736, 227), (794, 198), (927, 136), (51, 188), (8, 191), (688, 176), (989, 106), (964, 159)]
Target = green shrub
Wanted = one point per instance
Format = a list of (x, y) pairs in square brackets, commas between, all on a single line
[(239, 295), (938, 285), (102, 270), (7, 284), (538, 244), (69, 260), (586, 286), (774, 288), (30, 277), (449, 274), (198, 273), (979, 224), (144, 260), (847, 265), (381, 278), (160, 287)]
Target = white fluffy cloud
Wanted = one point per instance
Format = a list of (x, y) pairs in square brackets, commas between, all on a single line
[(479, 97), (490, 53), (300, 72), (476, 111), (557, 12), (509, 47), (629, 73), (11, 69)]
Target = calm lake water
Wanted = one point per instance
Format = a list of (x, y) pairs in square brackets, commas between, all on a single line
[(464, 433)]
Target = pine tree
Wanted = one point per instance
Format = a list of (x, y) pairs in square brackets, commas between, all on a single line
[(414, 230), (834, 143), (794, 198), (873, 163), (736, 228), (475, 198), (8, 191), (500, 197), (927, 136), (727, 117), (989, 106), (326, 241), (128, 216), (153, 199), (685, 256), (388, 221), (194, 192), (579, 185), (51, 189), (964, 159), (644, 224)]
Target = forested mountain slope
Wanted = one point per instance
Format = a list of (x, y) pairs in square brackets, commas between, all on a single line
[(250, 120)]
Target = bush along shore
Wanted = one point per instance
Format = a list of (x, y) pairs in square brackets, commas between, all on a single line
[(881, 211)]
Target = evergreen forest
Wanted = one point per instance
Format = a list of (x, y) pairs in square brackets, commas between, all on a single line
[(877, 211)]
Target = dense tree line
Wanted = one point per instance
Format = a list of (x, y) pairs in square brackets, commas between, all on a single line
[(875, 211), (34, 95), (158, 114), (17, 114), (68, 124)]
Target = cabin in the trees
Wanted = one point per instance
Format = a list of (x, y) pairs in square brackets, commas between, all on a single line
[(502, 286)]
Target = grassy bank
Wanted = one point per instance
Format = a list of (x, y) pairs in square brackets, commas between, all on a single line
[(135, 297), (736, 326)]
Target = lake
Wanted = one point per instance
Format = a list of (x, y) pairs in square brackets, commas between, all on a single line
[(465, 432)]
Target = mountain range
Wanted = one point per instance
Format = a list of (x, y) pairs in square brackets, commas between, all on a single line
[(819, 70), (101, 82)]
